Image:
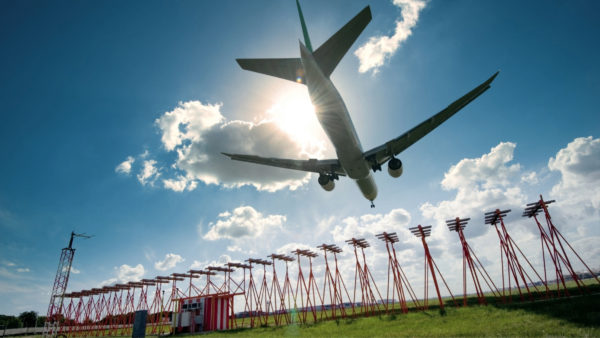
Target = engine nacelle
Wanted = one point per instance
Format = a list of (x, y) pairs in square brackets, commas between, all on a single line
[(395, 167), (326, 182)]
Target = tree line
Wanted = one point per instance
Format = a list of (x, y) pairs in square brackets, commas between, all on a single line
[(25, 319)]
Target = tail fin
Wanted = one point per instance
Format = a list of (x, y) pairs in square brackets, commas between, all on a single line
[(304, 31), (331, 52), (327, 56)]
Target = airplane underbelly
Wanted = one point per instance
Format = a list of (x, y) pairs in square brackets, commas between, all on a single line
[(368, 187)]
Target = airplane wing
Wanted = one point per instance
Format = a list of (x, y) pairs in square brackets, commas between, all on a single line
[(384, 152), (312, 165)]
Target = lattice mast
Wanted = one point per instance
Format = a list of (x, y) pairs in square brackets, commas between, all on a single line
[(514, 269), (281, 296), (309, 290), (422, 232), (55, 308), (552, 242), (334, 283), (260, 294), (368, 302), (239, 288), (399, 280), (474, 266)]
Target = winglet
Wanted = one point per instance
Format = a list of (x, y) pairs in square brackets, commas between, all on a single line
[(493, 77)]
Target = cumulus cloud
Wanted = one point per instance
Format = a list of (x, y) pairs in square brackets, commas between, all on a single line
[(579, 166), (530, 178), (482, 183), (371, 224), (180, 184), (198, 133), (222, 260), (126, 273), (23, 270), (125, 166), (149, 173), (169, 262), (379, 49), (242, 222)]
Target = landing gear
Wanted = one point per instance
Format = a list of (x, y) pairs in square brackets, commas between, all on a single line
[(372, 204)]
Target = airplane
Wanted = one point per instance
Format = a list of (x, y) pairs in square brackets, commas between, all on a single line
[(313, 69)]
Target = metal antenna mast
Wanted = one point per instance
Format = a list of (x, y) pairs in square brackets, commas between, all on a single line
[(61, 280)]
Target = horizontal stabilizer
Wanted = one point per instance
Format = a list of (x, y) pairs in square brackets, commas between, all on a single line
[(288, 69), (331, 52)]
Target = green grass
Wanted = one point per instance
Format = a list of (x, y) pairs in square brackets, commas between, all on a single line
[(576, 316)]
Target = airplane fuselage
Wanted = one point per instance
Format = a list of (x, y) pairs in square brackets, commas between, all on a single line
[(333, 115)]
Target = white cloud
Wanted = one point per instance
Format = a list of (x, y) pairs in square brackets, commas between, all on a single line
[(482, 184), (7, 263), (198, 133), (371, 224), (379, 49), (23, 270), (169, 262), (222, 260), (73, 270), (243, 222), (579, 166), (180, 184), (530, 178), (234, 248), (125, 166), (126, 273), (149, 173)]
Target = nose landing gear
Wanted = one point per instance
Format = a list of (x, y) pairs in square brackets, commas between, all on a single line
[(372, 204)]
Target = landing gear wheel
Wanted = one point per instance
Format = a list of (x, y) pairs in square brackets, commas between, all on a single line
[(372, 204)]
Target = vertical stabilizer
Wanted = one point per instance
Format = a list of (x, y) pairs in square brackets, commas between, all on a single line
[(304, 31)]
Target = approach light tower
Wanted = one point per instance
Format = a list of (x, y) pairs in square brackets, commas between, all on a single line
[(61, 280)]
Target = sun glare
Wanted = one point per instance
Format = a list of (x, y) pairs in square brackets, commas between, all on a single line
[(295, 115)]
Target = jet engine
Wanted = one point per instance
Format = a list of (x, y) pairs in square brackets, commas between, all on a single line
[(326, 182), (395, 167)]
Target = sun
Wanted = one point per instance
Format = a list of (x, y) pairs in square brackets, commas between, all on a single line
[(295, 115)]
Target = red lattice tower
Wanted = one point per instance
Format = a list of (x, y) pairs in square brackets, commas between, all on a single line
[(172, 302), (123, 318), (224, 287), (334, 284), (552, 243), (260, 295), (399, 279), (369, 304), (474, 266), (279, 295), (508, 255), (156, 313), (207, 286), (239, 288), (306, 291), (61, 280), (422, 232)]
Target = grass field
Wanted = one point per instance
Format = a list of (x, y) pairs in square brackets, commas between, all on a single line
[(575, 316)]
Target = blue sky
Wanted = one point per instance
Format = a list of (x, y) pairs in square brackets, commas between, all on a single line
[(87, 85)]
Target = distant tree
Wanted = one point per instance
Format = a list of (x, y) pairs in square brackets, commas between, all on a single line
[(28, 318), (13, 323), (41, 320)]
